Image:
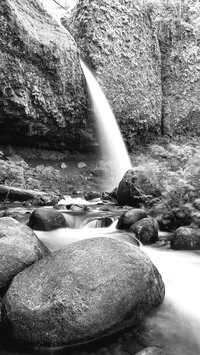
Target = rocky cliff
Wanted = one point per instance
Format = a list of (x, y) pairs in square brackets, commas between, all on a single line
[(117, 40), (180, 78), (43, 100)]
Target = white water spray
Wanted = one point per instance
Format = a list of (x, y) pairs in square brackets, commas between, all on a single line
[(111, 140)]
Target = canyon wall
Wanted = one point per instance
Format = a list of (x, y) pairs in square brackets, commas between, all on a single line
[(117, 40), (43, 96)]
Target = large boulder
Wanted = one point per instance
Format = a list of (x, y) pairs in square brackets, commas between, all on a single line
[(91, 288), (186, 238), (118, 41), (42, 90), (19, 248), (128, 193), (47, 219)]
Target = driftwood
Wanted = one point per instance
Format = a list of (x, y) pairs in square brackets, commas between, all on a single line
[(10, 193)]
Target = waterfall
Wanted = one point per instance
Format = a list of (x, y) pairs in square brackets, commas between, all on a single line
[(111, 141)]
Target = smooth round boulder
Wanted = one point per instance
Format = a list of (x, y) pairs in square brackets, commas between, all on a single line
[(146, 230), (47, 219), (129, 217), (92, 288), (127, 192), (185, 238), (19, 248)]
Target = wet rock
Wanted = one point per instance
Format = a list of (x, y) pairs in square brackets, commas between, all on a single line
[(185, 238), (127, 192), (19, 248), (146, 230), (44, 107), (47, 219), (92, 194), (129, 217), (92, 288), (151, 350)]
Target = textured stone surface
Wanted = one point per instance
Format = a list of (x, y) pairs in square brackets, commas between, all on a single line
[(47, 219), (19, 248), (129, 217), (91, 288), (185, 238), (127, 192), (180, 78), (117, 39), (146, 230), (42, 90)]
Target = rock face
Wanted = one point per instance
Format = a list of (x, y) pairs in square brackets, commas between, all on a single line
[(180, 78), (91, 288), (47, 219), (117, 39), (42, 89), (19, 248)]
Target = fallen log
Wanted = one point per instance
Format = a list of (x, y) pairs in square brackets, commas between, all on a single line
[(10, 193)]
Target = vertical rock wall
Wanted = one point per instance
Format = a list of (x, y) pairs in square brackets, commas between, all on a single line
[(117, 40), (180, 79), (43, 96)]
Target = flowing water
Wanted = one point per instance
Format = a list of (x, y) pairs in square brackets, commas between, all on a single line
[(111, 141), (175, 326)]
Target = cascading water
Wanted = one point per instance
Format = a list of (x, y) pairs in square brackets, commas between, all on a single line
[(176, 324), (111, 141)]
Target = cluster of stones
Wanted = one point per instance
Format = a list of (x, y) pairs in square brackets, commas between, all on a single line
[(90, 289), (93, 287)]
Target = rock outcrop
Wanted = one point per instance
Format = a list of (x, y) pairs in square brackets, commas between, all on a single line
[(89, 289), (43, 96), (117, 40)]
